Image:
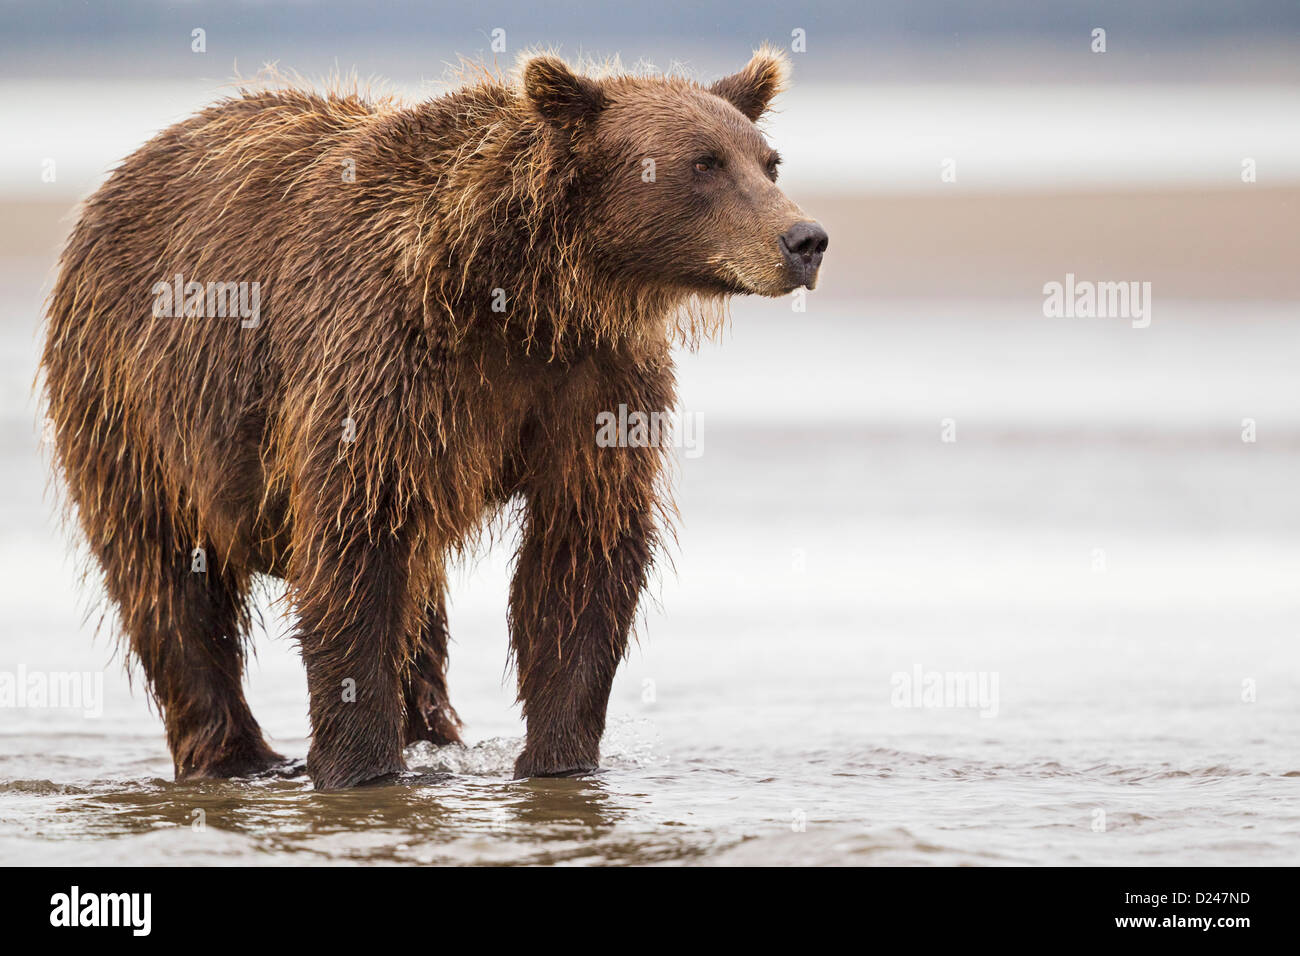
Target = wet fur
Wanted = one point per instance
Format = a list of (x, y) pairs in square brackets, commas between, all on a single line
[(177, 433)]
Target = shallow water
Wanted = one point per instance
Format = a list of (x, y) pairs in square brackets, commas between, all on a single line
[(1098, 539)]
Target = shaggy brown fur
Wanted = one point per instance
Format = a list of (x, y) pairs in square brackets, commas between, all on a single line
[(438, 331)]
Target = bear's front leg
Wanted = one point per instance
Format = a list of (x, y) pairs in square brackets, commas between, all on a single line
[(356, 627), (577, 581), (429, 714)]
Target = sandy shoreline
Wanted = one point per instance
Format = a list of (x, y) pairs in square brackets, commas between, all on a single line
[(1239, 243)]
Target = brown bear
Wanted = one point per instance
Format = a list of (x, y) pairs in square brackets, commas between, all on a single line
[(324, 338)]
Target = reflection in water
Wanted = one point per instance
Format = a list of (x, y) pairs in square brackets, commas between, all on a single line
[(420, 817), (579, 803)]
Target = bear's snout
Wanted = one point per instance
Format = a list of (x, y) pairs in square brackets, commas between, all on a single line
[(803, 245)]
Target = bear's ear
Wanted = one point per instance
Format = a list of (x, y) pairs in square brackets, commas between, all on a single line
[(560, 95), (752, 89)]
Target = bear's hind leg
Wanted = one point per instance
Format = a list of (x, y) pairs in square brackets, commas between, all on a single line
[(186, 628), (357, 625)]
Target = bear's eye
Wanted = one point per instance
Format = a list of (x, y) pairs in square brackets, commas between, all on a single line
[(772, 167), (706, 163)]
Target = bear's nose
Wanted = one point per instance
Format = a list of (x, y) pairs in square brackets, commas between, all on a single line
[(803, 245)]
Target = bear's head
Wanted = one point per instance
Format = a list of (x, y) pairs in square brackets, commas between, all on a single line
[(678, 184)]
